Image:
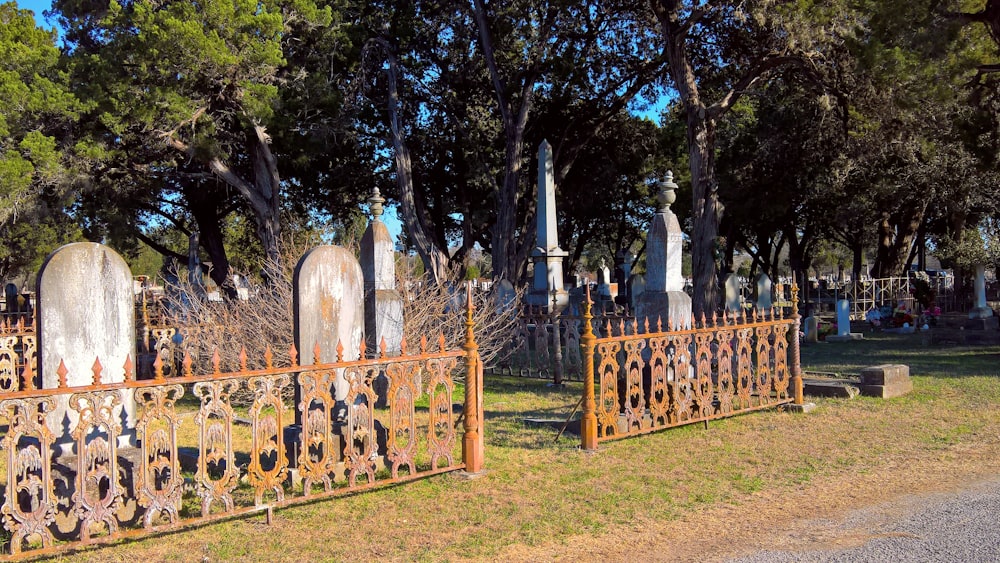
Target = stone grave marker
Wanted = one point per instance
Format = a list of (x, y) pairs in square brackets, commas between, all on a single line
[(383, 303), (86, 312), (10, 298), (763, 292), (811, 328), (734, 301), (844, 333), (329, 298), (506, 296), (663, 297), (603, 281), (547, 257)]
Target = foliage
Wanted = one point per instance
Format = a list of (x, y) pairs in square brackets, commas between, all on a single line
[(206, 109)]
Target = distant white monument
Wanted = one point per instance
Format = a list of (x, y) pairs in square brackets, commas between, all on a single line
[(383, 303), (844, 333), (547, 256), (664, 296)]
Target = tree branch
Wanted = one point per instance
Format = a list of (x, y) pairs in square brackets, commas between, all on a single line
[(486, 42), (695, 18), (163, 250), (758, 71)]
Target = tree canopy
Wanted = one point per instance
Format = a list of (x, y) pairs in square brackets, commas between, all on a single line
[(233, 125)]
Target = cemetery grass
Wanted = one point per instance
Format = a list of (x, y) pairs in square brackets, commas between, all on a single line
[(682, 494)]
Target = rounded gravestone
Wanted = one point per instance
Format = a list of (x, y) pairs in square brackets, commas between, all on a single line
[(85, 313), (329, 307)]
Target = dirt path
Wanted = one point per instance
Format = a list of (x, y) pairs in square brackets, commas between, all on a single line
[(813, 516)]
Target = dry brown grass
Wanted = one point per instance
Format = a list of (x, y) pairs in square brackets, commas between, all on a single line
[(687, 494)]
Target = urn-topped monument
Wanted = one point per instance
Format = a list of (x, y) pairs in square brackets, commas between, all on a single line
[(664, 296)]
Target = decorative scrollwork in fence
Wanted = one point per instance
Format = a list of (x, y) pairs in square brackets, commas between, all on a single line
[(648, 380), (137, 457)]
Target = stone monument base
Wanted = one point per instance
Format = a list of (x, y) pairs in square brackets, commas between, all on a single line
[(981, 313), (543, 300), (845, 337), (804, 408), (664, 305), (886, 381), (983, 323)]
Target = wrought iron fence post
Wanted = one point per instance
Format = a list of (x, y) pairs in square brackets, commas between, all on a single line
[(472, 441), (557, 359), (588, 424), (796, 362)]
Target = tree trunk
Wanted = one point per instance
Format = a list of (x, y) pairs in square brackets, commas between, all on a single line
[(266, 200), (434, 258), (263, 195), (895, 237), (210, 237), (705, 208)]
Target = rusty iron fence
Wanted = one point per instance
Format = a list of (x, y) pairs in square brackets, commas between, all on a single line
[(18, 350), (652, 378), (199, 457), (531, 352)]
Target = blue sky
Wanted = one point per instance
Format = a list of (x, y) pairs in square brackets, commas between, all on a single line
[(37, 6)]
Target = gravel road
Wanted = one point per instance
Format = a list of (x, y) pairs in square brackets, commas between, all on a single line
[(961, 526)]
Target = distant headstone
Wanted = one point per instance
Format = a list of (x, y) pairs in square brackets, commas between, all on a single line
[(981, 309), (383, 303), (811, 329), (506, 296), (85, 313), (734, 301), (10, 298), (664, 296), (764, 292), (843, 317), (328, 306), (844, 333), (195, 279), (547, 256), (637, 286), (603, 281)]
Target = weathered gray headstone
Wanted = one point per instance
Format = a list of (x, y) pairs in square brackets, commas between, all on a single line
[(86, 312), (763, 292), (637, 286), (383, 303), (603, 282), (734, 301), (664, 296), (547, 256), (506, 296), (329, 307), (886, 381), (811, 329)]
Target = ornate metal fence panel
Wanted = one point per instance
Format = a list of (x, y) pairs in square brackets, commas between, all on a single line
[(198, 456), (531, 350), (646, 380), (18, 351)]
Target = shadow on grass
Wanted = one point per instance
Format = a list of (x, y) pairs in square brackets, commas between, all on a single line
[(511, 400), (910, 349)]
